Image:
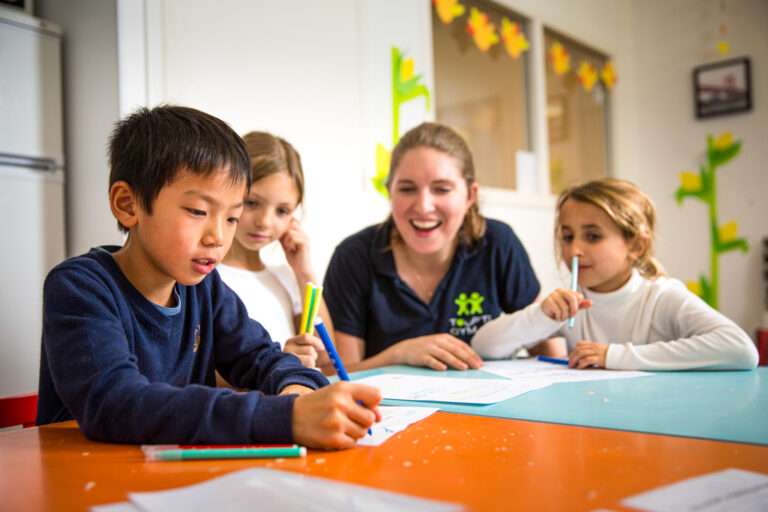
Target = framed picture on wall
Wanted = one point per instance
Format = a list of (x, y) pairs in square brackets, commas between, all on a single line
[(722, 88), (24, 5)]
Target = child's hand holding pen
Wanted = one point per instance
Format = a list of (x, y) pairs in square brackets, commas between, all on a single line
[(335, 416), (562, 304)]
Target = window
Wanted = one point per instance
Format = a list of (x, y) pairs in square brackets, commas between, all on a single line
[(577, 111), (480, 85)]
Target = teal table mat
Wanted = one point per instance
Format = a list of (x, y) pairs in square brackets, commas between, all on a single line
[(726, 406)]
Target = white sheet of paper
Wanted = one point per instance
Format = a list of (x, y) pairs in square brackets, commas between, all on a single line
[(729, 490), (123, 506), (532, 370), (397, 386), (393, 420), (267, 490)]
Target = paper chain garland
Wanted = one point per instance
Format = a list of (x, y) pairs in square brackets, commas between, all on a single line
[(484, 34)]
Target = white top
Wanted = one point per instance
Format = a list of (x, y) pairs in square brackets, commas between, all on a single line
[(271, 297), (650, 325)]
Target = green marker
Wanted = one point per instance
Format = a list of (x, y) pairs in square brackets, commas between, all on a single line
[(166, 453)]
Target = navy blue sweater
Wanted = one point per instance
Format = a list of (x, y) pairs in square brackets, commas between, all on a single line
[(131, 371)]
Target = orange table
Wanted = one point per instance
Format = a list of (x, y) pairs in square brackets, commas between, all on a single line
[(483, 463)]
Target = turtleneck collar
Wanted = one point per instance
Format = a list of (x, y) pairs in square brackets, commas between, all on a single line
[(634, 282)]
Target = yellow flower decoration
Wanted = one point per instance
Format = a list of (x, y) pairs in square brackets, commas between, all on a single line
[(482, 30), (608, 75), (723, 48), (694, 286), (514, 39), (383, 159), (448, 10), (724, 141), (406, 70), (729, 231), (690, 181), (560, 59), (587, 75)]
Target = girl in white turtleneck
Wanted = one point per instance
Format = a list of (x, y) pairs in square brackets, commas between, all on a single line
[(628, 316)]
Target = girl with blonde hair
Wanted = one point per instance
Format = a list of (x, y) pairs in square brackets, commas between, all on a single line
[(271, 292), (628, 315)]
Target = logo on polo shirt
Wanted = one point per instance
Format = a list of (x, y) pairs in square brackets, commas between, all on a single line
[(469, 314), (197, 339)]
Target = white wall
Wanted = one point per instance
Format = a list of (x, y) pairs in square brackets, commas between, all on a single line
[(90, 110), (672, 38), (316, 73), (291, 68)]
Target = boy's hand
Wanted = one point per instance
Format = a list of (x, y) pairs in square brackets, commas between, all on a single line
[(306, 348), (562, 304), (588, 354), (295, 389), (332, 418)]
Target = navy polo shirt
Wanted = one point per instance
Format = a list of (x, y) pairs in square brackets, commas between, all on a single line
[(367, 298)]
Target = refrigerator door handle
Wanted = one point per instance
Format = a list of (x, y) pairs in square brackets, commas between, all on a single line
[(29, 162)]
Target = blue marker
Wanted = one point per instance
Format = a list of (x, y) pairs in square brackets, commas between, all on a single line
[(574, 284), (554, 360), (323, 332)]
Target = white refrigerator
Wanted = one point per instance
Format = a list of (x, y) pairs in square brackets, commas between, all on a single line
[(32, 238)]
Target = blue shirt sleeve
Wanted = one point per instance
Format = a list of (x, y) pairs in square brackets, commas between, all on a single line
[(347, 287), (97, 378), (245, 354)]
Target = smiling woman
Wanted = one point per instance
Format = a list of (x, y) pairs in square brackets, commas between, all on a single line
[(415, 288)]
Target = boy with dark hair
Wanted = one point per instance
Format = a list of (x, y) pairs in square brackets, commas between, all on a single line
[(133, 335)]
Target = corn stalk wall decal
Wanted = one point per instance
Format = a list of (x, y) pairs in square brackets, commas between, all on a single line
[(723, 237), (405, 87)]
